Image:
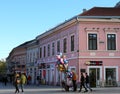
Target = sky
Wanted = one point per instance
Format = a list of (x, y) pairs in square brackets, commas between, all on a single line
[(24, 20)]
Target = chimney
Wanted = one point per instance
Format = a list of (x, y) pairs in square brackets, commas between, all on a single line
[(84, 10)]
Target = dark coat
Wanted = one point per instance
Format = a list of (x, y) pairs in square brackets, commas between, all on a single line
[(82, 79), (87, 79)]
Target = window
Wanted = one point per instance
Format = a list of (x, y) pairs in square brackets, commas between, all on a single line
[(48, 49), (111, 41), (72, 43), (110, 76), (53, 48), (58, 46), (92, 41), (37, 54), (44, 51), (64, 45), (40, 52)]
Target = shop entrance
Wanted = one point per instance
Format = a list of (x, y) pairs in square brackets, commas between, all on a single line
[(94, 74)]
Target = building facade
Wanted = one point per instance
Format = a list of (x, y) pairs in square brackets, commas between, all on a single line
[(31, 63), (16, 62), (90, 42)]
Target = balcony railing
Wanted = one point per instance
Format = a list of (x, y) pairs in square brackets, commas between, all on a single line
[(30, 64)]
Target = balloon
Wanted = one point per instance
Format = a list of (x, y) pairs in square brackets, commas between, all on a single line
[(58, 57), (61, 61), (66, 66), (61, 67), (69, 75), (60, 54), (65, 61)]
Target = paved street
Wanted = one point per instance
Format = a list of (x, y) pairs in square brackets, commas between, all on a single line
[(43, 89)]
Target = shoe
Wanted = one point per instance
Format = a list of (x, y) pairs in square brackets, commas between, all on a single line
[(74, 90), (91, 90), (86, 91), (79, 90)]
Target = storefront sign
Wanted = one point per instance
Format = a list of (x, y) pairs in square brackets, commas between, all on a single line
[(94, 63)]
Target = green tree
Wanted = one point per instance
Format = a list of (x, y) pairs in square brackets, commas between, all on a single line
[(3, 67)]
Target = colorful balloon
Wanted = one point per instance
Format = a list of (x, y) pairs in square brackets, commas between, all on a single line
[(58, 57), (69, 74), (61, 61), (65, 61)]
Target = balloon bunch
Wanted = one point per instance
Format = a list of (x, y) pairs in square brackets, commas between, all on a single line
[(69, 74), (62, 62)]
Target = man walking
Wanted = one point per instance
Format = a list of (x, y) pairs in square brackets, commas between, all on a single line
[(87, 82), (82, 83), (74, 78)]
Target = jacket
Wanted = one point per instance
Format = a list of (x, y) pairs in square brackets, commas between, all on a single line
[(23, 79)]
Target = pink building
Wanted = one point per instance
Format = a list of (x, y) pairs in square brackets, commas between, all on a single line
[(91, 43)]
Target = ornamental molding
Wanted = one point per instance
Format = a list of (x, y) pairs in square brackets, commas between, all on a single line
[(111, 29), (91, 29)]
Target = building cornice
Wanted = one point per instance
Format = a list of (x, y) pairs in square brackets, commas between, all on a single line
[(99, 17), (58, 27), (115, 19), (80, 19)]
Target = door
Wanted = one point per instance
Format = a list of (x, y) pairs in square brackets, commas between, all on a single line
[(94, 76), (48, 77)]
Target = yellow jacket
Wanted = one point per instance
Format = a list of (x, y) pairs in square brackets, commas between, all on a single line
[(23, 79)]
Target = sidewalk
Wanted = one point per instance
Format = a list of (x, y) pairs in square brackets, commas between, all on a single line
[(11, 86), (35, 89), (8, 85)]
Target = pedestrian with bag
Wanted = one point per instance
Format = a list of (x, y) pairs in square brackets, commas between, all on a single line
[(16, 83)]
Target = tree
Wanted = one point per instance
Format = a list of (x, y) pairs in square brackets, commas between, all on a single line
[(3, 67)]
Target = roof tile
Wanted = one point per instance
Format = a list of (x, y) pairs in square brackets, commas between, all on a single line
[(102, 11)]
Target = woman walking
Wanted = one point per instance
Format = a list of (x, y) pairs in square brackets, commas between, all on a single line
[(16, 83)]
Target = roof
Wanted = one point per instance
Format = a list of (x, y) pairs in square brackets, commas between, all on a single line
[(102, 11), (118, 4), (95, 12)]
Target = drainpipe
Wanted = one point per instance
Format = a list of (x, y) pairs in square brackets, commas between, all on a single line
[(78, 49)]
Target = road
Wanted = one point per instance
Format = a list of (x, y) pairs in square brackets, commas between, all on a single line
[(44, 89)]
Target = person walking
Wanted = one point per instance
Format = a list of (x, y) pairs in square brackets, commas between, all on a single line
[(23, 81), (74, 78), (29, 80), (87, 82), (16, 83), (82, 83), (5, 80)]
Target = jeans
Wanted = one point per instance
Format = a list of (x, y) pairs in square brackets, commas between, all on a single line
[(87, 85), (17, 88), (22, 87)]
